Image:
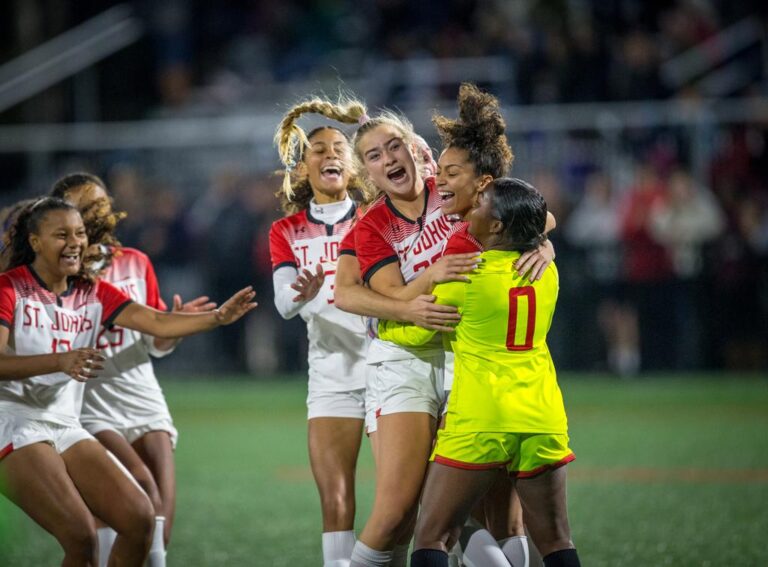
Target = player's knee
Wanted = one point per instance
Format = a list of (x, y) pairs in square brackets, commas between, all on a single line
[(79, 541), (338, 509), (139, 521), (430, 532), (390, 522)]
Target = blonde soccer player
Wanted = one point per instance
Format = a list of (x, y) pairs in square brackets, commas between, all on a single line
[(321, 199)]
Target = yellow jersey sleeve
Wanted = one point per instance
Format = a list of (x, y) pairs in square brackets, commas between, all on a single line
[(408, 334)]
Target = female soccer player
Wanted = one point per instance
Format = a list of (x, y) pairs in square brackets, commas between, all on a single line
[(317, 199), (506, 409), (475, 152), (50, 318), (125, 408), (400, 236)]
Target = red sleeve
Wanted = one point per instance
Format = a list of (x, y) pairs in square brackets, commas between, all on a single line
[(373, 251), (153, 288), (280, 249), (461, 242), (348, 242), (112, 300), (7, 301)]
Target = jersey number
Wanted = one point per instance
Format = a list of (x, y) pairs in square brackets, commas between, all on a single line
[(112, 338), (61, 345), (514, 302)]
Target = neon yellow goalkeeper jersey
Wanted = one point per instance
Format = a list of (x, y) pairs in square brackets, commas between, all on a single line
[(504, 376)]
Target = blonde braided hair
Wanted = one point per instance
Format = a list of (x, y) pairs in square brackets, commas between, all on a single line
[(291, 141)]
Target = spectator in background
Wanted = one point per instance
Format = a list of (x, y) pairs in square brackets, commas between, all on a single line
[(635, 74), (684, 222), (738, 318), (594, 230), (228, 258), (647, 269)]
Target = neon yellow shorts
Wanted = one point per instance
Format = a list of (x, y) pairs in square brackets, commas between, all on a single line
[(524, 455)]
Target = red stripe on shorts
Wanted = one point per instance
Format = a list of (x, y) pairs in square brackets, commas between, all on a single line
[(538, 470), (6, 450), (468, 466)]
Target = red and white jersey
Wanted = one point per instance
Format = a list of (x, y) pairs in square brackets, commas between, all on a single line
[(384, 236), (337, 342), (460, 241), (126, 392), (42, 322)]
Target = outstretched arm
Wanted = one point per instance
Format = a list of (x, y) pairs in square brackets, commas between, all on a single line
[(162, 346), (171, 325)]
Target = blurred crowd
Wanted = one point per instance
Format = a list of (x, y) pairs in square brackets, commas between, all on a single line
[(554, 51), (658, 271), (664, 267)]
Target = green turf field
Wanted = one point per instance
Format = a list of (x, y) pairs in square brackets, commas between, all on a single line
[(670, 471)]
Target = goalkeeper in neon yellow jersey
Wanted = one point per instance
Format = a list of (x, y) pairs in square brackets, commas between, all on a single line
[(505, 409)]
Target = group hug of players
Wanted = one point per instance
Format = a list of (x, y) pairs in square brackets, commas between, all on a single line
[(427, 288)]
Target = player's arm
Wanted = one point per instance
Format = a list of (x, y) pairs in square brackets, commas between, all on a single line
[(293, 290), (351, 295), (388, 280), (171, 324), (80, 364), (534, 262), (163, 346), (412, 335)]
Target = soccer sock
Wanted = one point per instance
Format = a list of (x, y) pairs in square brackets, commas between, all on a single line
[(515, 549), (481, 550), (106, 537), (429, 558), (562, 558), (157, 550), (337, 548), (364, 556), (400, 555)]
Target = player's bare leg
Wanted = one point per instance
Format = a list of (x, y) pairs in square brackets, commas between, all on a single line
[(449, 496), (35, 478), (546, 515), (115, 498), (156, 451), (334, 445), (404, 442), (502, 514)]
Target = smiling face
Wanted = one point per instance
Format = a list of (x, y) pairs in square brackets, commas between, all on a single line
[(59, 243), (457, 182), (327, 163), (389, 162)]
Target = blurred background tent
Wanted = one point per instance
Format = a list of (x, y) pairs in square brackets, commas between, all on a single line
[(644, 124)]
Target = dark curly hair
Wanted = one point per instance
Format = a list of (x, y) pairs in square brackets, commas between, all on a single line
[(99, 218), (480, 130)]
